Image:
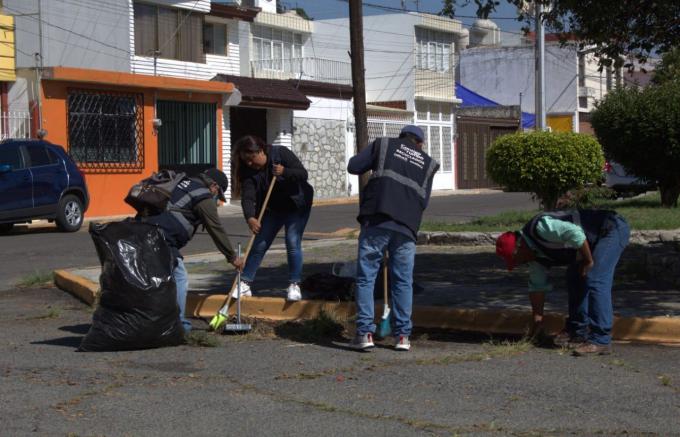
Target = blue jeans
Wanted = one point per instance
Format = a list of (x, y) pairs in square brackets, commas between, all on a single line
[(373, 242), (182, 283), (272, 222), (591, 314)]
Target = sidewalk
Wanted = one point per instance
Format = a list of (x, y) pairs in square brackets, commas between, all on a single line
[(464, 288)]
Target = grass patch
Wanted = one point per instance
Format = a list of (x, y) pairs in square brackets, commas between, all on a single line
[(665, 380), (642, 213), (36, 278), (495, 223), (201, 339)]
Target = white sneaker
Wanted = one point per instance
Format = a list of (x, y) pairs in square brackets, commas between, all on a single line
[(362, 342), (402, 343), (245, 291), (294, 293)]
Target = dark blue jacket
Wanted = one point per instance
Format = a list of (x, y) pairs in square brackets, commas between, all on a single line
[(401, 182)]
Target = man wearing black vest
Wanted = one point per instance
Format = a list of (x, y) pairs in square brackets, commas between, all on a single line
[(590, 242), (193, 203), (392, 205)]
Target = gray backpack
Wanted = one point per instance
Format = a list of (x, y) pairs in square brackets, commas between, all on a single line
[(150, 196)]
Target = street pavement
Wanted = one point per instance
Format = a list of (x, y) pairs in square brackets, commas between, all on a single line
[(26, 251), (282, 381)]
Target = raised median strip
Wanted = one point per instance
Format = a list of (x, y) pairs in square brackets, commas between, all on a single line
[(493, 321)]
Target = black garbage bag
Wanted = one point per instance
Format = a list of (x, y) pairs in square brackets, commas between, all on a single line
[(138, 302)]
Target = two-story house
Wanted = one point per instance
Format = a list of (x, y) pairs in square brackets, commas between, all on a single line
[(410, 62), (131, 86)]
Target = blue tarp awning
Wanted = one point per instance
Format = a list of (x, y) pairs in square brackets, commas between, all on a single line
[(471, 98)]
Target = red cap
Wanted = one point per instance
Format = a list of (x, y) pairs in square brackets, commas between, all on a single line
[(505, 248)]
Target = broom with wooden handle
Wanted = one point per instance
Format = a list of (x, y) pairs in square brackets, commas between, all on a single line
[(222, 315), (384, 329)]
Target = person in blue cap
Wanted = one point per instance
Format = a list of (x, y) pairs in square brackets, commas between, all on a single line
[(391, 208)]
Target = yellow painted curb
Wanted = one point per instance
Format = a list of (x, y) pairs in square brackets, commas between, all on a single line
[(82, 288), (336, 201), (646, 330), (638, 329)]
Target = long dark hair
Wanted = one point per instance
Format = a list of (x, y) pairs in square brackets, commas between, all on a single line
[(245, 145)]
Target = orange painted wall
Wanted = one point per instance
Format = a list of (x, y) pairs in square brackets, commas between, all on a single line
[(108, 188)]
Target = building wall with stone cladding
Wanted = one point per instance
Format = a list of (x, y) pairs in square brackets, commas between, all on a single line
[(320, 144)]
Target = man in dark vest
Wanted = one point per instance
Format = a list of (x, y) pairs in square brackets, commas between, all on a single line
[(590, 242), (193, 203), (392, 205)]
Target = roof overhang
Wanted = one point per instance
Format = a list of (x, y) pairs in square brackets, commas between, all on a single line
[(266, 93), (105, 77), (233, 12), (323, 89)]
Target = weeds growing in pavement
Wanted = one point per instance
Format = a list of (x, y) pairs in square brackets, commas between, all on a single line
[(201, 339), (52, 313), (36, 278), (324, 327)]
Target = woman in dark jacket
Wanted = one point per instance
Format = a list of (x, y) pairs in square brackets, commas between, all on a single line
[(255, 164)]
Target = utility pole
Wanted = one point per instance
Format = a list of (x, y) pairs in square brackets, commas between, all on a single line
[(539, 49), (356, 37)]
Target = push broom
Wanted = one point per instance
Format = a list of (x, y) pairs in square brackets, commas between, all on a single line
[(222, 315), (384, 328)]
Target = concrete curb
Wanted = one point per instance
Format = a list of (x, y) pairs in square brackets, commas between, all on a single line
[(489, 238), (664, 330), (82, 288)]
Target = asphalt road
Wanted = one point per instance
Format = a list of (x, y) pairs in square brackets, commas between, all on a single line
[(26, 251), (281, 382)]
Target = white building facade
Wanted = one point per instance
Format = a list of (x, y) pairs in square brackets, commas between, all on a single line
[(410, 63)]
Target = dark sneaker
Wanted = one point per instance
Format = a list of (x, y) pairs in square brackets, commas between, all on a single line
[(592, 349), (362, 342), (402, 343), (564, 339)]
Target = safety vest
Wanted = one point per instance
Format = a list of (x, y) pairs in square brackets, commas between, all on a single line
[(179, 221), (595, 224), (400, 185)]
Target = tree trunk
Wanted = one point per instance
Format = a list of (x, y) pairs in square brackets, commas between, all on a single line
[(670, 191)]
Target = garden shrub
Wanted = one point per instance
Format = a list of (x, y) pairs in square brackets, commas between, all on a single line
[(544, 163)]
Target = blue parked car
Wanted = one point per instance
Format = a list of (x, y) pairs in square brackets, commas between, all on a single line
[(38, 180)]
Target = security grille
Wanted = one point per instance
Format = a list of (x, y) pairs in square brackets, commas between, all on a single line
[(105, 130)]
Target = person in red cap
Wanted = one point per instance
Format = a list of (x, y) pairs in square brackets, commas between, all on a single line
[(590, 243)]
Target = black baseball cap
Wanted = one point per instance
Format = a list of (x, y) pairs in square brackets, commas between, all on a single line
[(217, 176)]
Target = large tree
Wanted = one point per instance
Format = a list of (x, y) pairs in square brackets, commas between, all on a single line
[(639, 129), (615, 28)]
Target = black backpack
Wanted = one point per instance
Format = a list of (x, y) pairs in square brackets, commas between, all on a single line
[(150, 196)]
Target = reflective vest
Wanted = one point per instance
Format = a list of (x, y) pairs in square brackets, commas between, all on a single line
[(179, 221), (595, 224), (400, 185)]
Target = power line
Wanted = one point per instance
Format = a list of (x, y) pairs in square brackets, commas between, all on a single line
[(69, 31)]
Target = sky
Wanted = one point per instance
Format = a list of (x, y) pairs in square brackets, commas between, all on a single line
[(504, 17)]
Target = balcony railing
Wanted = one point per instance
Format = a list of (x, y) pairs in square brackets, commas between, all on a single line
[(15, 125), (307, 68)]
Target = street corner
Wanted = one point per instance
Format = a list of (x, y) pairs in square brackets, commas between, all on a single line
[(77, 284)]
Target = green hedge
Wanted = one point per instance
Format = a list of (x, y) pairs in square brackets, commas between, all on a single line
[(545, 164)]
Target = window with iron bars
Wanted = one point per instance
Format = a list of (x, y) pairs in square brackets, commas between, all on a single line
[(105, 130)]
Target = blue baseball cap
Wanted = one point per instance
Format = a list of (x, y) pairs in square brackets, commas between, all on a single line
[(413, 130)]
